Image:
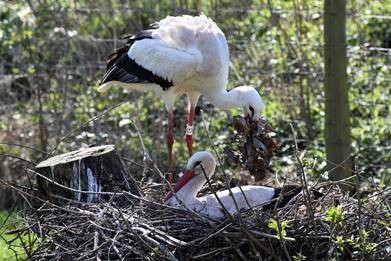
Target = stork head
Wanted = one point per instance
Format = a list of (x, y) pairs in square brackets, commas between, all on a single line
[(251, 102), (201, 161), (198, 164)]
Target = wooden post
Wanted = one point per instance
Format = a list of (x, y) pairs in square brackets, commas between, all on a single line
[(95, 169), (337, 125)]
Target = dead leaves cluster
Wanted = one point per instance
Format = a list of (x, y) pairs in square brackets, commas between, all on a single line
[(252, 147)]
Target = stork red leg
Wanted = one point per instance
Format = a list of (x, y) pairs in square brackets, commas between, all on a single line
[(193, 99), (170, 142), (189, 129)]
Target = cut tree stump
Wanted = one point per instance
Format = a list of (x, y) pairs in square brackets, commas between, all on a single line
[(95, 169)]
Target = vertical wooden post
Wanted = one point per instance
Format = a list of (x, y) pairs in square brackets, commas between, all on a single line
[(337, 125)]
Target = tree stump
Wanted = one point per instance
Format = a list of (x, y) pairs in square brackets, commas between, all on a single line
[(95, 169)]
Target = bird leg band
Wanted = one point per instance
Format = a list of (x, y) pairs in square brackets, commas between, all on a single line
[(189, 129)]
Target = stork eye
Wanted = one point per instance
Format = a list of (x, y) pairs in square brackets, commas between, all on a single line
[(252, 111), (196, 164)]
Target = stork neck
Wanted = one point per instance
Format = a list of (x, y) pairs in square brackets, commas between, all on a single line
[(226, 100), (189, 191)]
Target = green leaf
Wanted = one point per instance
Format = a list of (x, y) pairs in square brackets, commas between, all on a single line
[(335, 215), (273, 224)]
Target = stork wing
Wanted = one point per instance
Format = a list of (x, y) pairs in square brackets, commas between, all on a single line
[(170, 63), (152, 61), (169, 54)]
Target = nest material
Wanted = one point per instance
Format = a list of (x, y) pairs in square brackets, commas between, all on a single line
[(252, 147), (150, 231)]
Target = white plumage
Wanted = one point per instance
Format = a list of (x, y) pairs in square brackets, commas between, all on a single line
[(194, 178), (182, 55)]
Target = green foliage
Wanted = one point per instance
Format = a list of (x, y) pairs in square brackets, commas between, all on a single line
[(278, 227), (276, 46), (340, 241), (334, 215), (299, 257), (11, 246), (61, 46), (363, 244), (360, 244)]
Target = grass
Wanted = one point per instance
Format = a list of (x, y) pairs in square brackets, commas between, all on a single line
[(11, 247)]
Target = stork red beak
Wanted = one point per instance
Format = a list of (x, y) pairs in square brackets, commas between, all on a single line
[(187, 175)]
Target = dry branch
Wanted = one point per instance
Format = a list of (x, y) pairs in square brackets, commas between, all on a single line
[(142, 229)]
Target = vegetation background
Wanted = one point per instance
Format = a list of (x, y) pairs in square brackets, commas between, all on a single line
[(52, 57), (53, 52)]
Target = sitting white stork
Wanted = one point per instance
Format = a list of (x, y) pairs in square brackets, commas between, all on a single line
[(203, 163), (181, 55)]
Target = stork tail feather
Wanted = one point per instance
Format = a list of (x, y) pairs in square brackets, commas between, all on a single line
[(130, 38), (283, 195), (113, 57)]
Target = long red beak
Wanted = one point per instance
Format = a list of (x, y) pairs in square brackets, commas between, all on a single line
[(188, 175)]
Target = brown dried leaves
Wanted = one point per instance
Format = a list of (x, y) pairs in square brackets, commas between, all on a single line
[(253, 147)]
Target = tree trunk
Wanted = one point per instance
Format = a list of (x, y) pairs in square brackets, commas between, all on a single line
[(337, 126), (95, 169)]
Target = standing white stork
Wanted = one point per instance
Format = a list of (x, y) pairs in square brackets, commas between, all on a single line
[(181, 55), (203, 163)]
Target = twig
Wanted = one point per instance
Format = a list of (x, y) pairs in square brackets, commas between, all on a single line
[(303, 180), (215, 194), (223, 171), (358, 200), (81, 126), (23, 146), (217, 250), (19, 158), (259, 233)]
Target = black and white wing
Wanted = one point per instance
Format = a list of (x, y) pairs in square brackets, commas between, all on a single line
[(161, 56)]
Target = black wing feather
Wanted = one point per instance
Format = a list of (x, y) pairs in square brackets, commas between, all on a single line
[(120, 67), (131, 38), (113, 57)]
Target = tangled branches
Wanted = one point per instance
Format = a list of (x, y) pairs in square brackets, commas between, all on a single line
[(152, 231)]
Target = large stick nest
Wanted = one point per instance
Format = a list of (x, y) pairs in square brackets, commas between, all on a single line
[(152, 231), (331, 226)]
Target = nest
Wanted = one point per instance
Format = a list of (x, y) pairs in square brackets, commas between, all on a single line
[(128, 227), (252, 147), (151, 231)]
